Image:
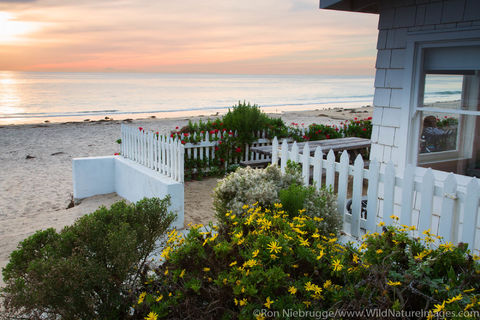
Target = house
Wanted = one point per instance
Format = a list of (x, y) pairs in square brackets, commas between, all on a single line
[(427, 96)]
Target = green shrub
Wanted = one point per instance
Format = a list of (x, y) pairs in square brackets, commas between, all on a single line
[(361, 128), (316, 203), (266, 260), (87, 270)]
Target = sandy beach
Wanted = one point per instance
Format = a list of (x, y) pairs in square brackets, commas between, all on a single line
[(36, 170)]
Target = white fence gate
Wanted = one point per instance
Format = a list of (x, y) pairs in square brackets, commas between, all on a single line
[(443, 207), (159, 153)]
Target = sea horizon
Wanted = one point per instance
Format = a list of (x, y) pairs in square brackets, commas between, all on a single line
[(34, 97)]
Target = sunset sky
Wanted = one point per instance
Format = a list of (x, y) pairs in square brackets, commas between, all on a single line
[(214, 36)]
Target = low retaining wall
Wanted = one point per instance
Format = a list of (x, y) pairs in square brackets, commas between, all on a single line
[(102, 175)]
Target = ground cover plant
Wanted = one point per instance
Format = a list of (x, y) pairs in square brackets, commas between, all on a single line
[(261, 262), (88, 270)]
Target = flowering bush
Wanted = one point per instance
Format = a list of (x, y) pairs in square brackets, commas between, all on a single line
[(89, 269), (265, 260), (247, 185), (446, 122), (358, 128)]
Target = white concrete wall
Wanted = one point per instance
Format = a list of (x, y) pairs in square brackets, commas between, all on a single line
[(102, 175), (399, 21)]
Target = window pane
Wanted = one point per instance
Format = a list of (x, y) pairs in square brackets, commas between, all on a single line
[(449, 141)]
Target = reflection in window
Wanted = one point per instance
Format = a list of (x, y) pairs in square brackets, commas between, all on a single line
[(449, 137)]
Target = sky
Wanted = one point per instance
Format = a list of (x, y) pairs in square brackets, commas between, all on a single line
[(185, 36)]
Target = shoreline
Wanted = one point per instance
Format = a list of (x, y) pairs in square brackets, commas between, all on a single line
[(36, 176), (174, 114)]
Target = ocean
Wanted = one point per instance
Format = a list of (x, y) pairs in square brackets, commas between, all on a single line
[(27, 97)]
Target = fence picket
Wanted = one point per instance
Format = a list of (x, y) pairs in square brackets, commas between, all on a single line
[(372, 192), (330, 174), (448, 216), (343, 182), (306, 164), (388, 193), (407, 195), (425, 218), (284, 157), (470, 213), (317, 168), (275, 151), (357, 195), (294, 153)]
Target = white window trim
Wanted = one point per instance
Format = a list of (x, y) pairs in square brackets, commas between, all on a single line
[(413, 83)]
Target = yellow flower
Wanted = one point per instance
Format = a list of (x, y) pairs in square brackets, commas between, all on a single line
[(159, 298), (225, 281), (273, 257), (456, 298), (260, 317), (166, 272), (255, 253), (292, 290), (268, 302), (327, 284), (394, 217), (151, 316), (307, 303), (206, 269), (355, 258), (295, 266), (304, 243), (447, 246), (469, 290), (439, 307), (381, 224), (141, 297), (243, 302), (245, 206), (320, 254), (182, 273), (379, 251), (233, 263), (394, 284), (336, 265), (274, 247), (277, 205)]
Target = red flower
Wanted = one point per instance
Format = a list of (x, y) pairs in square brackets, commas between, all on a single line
[(176, 128), (364, 129), (202, 131), (214, 124), (238, 150), (183, 142), (224, 130), (336, 129), (216, 130), (212, 131), (327, 136), (221, 159), (221, 123), (369, 118), (186, 134), (157, 133), (219, 141), (116, 154), (140, 128), (446, 117), (230, 133), (303, 124), (355, 118), (171, 136), (216, 148)]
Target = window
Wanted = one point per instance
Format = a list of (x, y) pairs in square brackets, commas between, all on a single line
[(449, 111)]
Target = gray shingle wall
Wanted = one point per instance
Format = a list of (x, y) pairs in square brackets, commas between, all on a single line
[(398, 19)]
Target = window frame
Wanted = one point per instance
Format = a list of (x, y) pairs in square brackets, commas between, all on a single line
[(414, 82)]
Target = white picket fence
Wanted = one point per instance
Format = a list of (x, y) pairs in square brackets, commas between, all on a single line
[(157, 152), (443, 207), (205, 148)]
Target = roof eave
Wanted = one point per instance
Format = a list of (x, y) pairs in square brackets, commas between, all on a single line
[(367, 6)]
